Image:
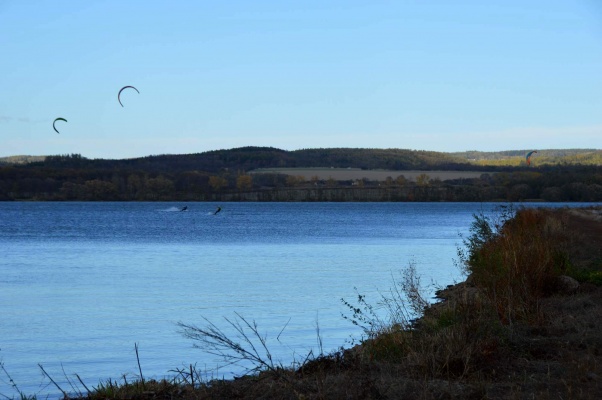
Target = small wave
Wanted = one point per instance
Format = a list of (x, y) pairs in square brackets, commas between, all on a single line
[(171, 209)]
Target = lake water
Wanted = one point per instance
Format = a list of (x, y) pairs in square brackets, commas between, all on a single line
[(82, 283)]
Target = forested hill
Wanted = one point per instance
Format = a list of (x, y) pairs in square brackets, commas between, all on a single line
[(250, 158), (229, 175)]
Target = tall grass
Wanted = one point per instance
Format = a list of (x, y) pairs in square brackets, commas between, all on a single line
[(513, 259), (387, 327), (13, 385), (515, 262)]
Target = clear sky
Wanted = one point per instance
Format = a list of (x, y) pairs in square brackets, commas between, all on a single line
[(443, 75)]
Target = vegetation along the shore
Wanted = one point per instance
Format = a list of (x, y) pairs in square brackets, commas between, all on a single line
[(525, 324)]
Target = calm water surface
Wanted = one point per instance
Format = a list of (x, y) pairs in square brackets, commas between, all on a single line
[(82, 283)]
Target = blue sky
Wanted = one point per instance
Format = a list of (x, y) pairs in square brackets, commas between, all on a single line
[(443, 75)]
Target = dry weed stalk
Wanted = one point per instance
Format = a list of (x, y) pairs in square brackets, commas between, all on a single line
[(248, 346)]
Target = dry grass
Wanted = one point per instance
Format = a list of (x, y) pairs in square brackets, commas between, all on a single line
[(521, 264)]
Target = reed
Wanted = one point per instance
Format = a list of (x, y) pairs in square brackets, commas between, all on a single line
[(21, 395)]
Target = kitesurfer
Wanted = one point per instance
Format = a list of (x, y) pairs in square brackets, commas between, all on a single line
[(529, 156), (184, 208), (218, 210)]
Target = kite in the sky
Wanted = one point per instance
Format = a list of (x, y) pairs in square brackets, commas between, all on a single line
[(529, 156), (58, 119), (121, 90)]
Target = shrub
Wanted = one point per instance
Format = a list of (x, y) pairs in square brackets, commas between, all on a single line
[(517, 261)]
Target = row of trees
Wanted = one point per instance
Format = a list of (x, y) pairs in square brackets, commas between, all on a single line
[(562, 183)]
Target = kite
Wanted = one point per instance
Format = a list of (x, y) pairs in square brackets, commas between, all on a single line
[(121, 90), (58, 119), (529, 156)]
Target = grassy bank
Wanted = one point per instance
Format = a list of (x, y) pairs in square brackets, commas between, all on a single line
[(526, 323)]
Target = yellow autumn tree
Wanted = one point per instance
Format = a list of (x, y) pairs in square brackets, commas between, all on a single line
[(244, 182)]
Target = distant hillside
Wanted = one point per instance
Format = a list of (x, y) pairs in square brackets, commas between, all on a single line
[(250, 158), (542, 157), (234, 175), (21, 159)]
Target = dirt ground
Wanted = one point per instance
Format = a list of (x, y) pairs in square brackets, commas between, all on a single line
[(563, 357)]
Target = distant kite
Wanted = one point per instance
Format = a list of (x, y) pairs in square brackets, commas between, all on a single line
[(121, 90), (58, 119), (528, 157)]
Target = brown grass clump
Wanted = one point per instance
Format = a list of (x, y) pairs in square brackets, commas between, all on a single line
[(521, 264)]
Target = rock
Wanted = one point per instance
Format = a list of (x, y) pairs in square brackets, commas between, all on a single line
[(567, 285)]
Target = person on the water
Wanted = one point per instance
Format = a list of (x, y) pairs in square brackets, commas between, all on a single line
[(218, 210)]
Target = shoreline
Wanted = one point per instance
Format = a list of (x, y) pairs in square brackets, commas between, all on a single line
[(460, 347)]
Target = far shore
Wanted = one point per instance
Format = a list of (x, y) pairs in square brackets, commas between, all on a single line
[(342, 174)]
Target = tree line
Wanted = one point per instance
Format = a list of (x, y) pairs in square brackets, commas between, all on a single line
[(225, 175)]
